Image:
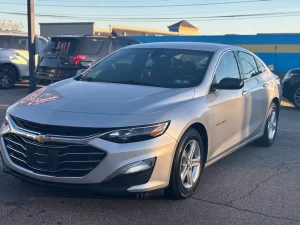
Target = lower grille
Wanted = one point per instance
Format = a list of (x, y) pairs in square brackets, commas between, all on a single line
[(53, 159)]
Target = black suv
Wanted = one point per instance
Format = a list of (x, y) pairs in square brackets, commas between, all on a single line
[(64, 55), (291, 86)]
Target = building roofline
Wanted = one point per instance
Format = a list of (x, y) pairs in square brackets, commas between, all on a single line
[(141, 29), (66, 23)]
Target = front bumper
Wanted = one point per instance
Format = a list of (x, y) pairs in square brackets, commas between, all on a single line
[(286, 90), (118, 156)]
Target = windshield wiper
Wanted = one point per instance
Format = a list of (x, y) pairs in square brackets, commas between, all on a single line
[(131, 82)]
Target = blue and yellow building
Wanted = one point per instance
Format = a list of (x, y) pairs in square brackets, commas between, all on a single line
[(280, 51)]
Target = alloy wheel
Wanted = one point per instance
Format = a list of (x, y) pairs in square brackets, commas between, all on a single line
[(190, 166), (272, 124), (297, 97), (6, 77)]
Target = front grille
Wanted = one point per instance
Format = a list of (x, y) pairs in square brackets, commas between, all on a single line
[(53, 159), (58, 130)]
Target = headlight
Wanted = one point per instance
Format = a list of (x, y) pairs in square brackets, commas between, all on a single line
[(5, 125), (135, 134)]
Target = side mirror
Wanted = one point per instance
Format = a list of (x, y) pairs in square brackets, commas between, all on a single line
[(80, 71), (228, 84)]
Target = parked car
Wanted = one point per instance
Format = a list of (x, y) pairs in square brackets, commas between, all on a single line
[(147, 117), (14, 57), (64, 55), (291, 87)]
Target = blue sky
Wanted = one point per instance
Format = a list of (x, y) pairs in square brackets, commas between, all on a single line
[(285, 24)]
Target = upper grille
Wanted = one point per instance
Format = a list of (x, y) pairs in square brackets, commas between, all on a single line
[(54, 159), (58, 130)]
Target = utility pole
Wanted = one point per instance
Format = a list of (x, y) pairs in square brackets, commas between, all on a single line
[(31, 44)]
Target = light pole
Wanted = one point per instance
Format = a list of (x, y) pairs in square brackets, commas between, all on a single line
[(31, 44)]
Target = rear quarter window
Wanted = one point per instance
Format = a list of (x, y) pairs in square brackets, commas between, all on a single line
[(117, 44)]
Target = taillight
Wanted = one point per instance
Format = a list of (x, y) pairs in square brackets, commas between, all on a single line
[(75, 60)]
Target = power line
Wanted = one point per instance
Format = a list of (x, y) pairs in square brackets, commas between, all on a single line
[(141, 6), (204, 18), (104, 16), (83, 1)]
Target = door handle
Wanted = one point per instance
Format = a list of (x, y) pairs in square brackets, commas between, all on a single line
[(266, 85), (245, 93)]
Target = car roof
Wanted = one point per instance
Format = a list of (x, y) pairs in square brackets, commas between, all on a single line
[(186, 45)]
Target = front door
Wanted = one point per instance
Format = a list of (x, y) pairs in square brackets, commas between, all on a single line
[(227, 108)]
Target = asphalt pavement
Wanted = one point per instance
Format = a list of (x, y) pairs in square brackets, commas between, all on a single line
[(251, 186)]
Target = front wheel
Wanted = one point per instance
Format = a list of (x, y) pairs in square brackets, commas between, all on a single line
[(270, 128), (187, 166), (8, 76), (296, 97)]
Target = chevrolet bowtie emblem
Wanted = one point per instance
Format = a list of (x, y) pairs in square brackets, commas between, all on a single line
[(42, 139)]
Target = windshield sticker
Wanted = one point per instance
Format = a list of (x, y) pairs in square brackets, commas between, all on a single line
[(181, 82)]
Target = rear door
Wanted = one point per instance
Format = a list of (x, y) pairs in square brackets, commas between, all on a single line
[(256, 80)]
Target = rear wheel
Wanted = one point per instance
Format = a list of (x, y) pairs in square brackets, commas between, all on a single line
[(296, 96), (8, 76), (270, 128), (187, 166)]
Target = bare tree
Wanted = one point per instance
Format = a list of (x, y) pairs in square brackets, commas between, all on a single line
[(8, 25)]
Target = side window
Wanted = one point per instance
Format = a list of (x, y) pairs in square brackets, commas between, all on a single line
[(227, 68), (5, 42), (119, 44), (39, 44), (91, 46), (20, 43), (260, 65), (249, 65)]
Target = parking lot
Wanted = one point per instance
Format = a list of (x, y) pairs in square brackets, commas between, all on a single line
[(251, 186)]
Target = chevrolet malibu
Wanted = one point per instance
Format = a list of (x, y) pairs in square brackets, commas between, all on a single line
[(147, 117)]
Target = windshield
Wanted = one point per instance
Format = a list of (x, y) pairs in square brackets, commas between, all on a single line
[(169, 68)]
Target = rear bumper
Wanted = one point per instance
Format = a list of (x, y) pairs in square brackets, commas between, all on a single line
[(55, 76)]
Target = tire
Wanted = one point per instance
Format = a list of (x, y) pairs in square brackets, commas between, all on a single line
[(182, 188), (8, 76), (270, 129), (296, 96)]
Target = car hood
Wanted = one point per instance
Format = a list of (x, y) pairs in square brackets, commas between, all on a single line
[(105, 98)]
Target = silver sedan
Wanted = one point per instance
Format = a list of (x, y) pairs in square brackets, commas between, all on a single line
[(147, 117)]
